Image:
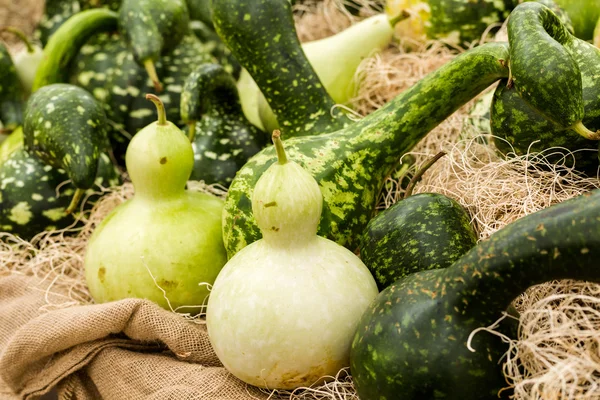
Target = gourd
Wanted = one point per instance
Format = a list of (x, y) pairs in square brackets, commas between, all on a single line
[(518, 125), (335, 60), (12, 94), (596, 39), (456, 22), (222, 138), (27, 60), (151, 28), (584, 14), (65, 127), (420, 232), (282, 311), (417, 337), (262, 37), (351, 164), (165, 243)]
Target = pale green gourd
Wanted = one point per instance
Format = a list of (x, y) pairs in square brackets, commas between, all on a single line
[(27, 60), (335, 59), (283, 310), (163, 239)]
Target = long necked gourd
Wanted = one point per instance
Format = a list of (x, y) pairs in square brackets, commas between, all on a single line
[(165, 243), (282, 311)]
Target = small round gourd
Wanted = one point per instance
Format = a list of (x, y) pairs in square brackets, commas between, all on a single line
[(283, 310), (165, 242)]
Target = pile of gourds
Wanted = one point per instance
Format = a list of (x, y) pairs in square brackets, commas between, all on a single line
[(290, 301)]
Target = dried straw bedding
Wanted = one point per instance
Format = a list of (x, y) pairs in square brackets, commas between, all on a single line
[(53, 335)]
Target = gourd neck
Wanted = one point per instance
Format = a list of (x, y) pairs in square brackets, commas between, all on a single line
[(22, 37)]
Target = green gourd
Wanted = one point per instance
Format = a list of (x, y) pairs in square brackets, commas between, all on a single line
[(56, 12), (282, 312), (420, 232), (66, 128), (215, 46), (417, 337), (222, 138), (152, 28), (26, 61), (165, 242), (596, 40), (12, 94), (584, 14), (351, 164), (261, 35)]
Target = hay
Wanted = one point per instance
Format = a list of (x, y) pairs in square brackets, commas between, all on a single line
[(556, 354)]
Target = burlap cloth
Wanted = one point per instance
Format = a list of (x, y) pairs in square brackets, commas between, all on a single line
[(130, 349)]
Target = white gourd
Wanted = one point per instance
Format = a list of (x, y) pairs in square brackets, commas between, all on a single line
[(283, 311)]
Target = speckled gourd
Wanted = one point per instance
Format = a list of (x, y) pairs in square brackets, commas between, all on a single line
[(517, 124), (351, 164), (12, 94), (222, 138), (414, 337), (164, 244), (282, 312)]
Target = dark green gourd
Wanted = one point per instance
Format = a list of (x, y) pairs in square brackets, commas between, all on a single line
[(262, 36), (413, 338), (519, 127), (56, 12), (351, 164), (66, 128), (420, 232), (152, 28), (12, 94), (33, 194), (222, 137), (215, 46), (541, 46)]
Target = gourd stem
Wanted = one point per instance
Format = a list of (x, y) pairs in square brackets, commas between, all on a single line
[(191, 130), (281, 157), (420, 172), (19, 33), (151, 70), (400, 17), (160, 108), (75, 201), (585, 132)]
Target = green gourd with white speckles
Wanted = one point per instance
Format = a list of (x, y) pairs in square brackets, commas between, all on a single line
[(66, 128), (519, 127), (222, 138), (33, 194), (413, 338), (152, 28), (420, 232), (351, 164), (261, 35), (12, 94)]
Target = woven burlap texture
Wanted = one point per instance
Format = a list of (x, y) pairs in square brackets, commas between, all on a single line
[(130, 349)]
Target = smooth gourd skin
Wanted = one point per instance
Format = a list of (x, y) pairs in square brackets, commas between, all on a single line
[(262, 36), (421, 232), (413, 338), (351, 164), (224, 139), (584, 14), (283, 310), (66, 128), (164, 236), (12, 95)]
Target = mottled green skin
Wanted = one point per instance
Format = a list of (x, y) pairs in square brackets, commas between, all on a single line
[(224, 139), (153, 27), (521, 128), (66, 42), (584, 14), (466, 18), (262, 36), (216, 47), (66, 128), (107, 69), (200, 11), (12, 94), (560, 13), (421, 232), (56, 12), (29, 203), (544, 73), (413, 338), (351, 164)]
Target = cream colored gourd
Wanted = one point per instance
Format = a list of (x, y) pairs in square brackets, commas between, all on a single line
[(335, 59), (27, 60), (163, 239), (283, 310)]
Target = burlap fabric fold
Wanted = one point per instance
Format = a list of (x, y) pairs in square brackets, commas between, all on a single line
[(130, 349)]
